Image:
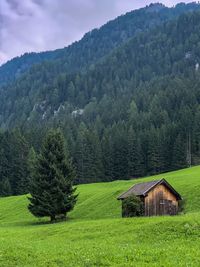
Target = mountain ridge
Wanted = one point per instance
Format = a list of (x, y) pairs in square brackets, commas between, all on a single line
[(14, 68)]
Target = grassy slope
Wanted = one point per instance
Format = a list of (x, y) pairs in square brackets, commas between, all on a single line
[(95, 235)]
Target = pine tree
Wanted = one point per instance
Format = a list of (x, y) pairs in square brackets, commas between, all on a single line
[(31, 162), (92, 157), (119, 153), (135, 157), (5, 158), (5, 188), (154, 163), (179, 154), (107, 158), (13, 162), (19, 167), (166, 137), (79, 153), (51, 189), (88, 156)]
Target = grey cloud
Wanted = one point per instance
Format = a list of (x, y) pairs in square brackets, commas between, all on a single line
[(39, 25)]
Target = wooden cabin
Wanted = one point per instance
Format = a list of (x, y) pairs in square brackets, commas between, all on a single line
[(159, 197)]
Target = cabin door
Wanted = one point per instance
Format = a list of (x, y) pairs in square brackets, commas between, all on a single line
[(167, 207), (160, 206)]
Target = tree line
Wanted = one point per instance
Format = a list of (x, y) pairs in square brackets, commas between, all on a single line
[(122, 150)]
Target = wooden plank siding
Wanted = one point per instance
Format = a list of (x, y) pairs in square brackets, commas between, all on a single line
[(160, 201)]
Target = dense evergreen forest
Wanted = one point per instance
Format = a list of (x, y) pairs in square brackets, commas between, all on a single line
[(127, 99)]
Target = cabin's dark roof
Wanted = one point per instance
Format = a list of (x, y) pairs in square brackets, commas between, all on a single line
[(143, 188)]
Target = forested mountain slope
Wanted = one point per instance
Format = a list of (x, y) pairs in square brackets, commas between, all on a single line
[(93, 45), (171, 49), (135, 112), (17, 66)]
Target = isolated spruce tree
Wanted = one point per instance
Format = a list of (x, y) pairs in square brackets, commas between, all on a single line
[(51, 189)]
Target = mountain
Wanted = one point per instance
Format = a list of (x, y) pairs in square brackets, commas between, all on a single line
[(17, 66), (170, 49), (95, 44), (134, 111)]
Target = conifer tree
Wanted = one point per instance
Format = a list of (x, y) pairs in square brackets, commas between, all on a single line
[(92, 157), (13, 162), (51, 189), (120, 155), (135, 162), (31, 162), (19, 167), (179, 154), (107, 158), (154, 164), (5, 188), (79, 153)]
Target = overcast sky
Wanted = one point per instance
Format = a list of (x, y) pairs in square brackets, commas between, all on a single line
[(39, 25)]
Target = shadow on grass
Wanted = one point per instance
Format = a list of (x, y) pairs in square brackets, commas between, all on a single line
[(39, 222)]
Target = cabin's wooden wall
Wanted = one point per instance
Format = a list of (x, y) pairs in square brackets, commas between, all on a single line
[(160, 201)]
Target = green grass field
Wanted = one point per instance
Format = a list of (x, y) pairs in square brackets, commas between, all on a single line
[(96, 235)]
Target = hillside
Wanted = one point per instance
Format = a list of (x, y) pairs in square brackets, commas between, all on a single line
[(95, 225), (17, 66)]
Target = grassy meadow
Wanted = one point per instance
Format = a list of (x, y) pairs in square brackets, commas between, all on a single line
[(96, 235)]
